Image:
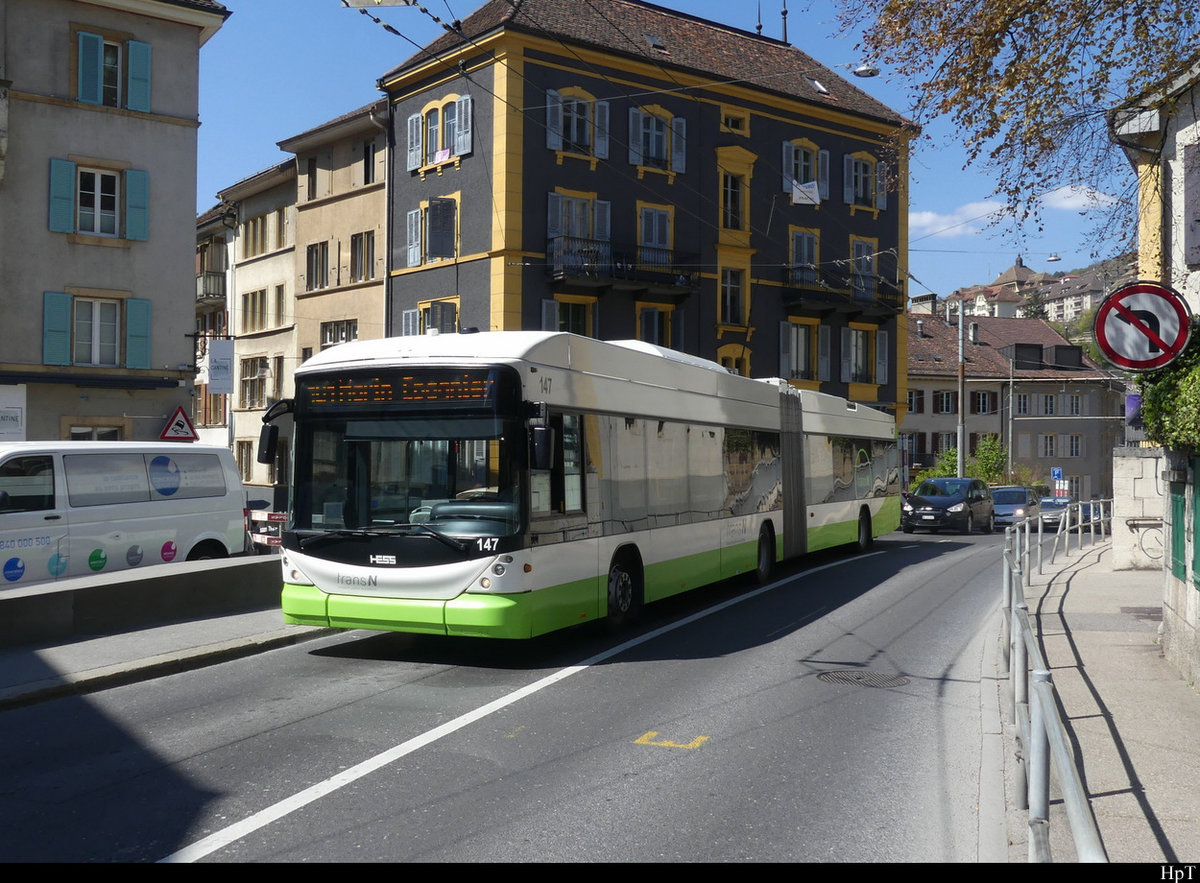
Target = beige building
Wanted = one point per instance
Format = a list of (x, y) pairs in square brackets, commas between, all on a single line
[(261, 308), (98, 118), (307, 270)]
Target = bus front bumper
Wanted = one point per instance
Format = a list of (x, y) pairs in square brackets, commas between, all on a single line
[(482, 616)]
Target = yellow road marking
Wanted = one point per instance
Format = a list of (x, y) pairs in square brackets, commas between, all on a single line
[(648, 739)]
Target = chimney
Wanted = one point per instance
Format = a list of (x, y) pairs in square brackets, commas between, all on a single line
[(920, 328), (974, 329)]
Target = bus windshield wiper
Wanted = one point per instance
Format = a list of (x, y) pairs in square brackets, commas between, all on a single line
[(445, 538), (333, 534)]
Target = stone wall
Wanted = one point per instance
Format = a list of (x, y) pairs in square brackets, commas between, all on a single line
[(1139, 498)]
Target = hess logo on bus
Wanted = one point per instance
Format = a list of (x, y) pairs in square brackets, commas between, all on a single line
[(383, 559)]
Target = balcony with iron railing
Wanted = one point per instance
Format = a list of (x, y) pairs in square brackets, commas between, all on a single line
[(597, 262), (808, 284), (210, 287)]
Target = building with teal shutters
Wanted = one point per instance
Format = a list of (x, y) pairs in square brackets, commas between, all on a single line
[(98, 120)]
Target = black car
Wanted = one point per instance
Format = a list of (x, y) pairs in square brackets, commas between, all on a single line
[(961, 504)]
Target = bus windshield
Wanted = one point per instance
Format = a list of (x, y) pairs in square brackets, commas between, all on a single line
[(456, 472), (436, 448)]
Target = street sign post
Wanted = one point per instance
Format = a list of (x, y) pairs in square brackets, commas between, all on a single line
[(1142, 326)]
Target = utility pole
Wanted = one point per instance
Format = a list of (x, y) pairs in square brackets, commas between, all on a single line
[(962, 395)]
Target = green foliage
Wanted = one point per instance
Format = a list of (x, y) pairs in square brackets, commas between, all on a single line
[(1171, 402), (1029, 84), (989, 463)]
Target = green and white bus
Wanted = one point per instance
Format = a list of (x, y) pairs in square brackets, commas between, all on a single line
[(507, 484)]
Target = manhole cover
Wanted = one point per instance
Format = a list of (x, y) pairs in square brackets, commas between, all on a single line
[(862, 678)]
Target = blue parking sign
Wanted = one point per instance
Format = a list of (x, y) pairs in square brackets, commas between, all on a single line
[(1056, 473)]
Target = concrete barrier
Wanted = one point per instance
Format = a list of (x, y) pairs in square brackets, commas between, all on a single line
[(131, 599)]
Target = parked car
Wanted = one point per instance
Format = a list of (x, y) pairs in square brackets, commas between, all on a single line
[(1053, 509), (961, 504), (1015, 504)]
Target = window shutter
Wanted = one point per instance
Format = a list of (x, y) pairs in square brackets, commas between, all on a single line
[(553, 215), (462, 131), (440, 228), (823, 174), (443, 315), (137, 205), (62, 196), (602, 220), (678, 144), (554, 120), (823, 358), (90, 67), (881, 185), (602, 130), (635, 137), (56, 328), (785, 350), (414, 238), (920, 402), (414, 141), (677, 330), (788, 163), (549, 314), (1191, 207), (410, 323), (137, 333), (881, 356), (846, 344), (848, 179), (137, 93)]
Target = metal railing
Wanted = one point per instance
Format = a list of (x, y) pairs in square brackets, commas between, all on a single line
[(1041, 734)]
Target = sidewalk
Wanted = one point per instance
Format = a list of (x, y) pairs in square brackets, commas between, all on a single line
[(1133, 721), (37, 672)]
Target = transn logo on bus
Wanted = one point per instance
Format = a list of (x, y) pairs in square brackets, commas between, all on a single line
[(383, 559)]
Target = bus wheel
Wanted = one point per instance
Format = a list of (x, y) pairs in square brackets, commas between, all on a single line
[(624, 592), (766, 554), (865, 538)]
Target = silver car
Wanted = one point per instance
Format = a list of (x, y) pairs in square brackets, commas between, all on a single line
[(1053, 510), (1015, 504)]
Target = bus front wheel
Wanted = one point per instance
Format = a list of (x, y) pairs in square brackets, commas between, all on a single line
[(624, 591)]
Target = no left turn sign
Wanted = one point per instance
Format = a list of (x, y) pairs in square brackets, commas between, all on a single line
[(1142, 326)]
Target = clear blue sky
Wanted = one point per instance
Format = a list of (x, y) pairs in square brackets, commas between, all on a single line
[(280, 67)]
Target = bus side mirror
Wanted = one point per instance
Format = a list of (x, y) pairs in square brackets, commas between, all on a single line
[(267, 440), (541, 447)]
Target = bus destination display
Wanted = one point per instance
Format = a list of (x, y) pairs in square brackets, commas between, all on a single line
[(407, 388)]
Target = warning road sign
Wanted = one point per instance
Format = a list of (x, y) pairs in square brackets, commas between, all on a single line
[(1142, 326), (179, 428)]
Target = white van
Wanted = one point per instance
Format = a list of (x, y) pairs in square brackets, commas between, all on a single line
[(72, 509)]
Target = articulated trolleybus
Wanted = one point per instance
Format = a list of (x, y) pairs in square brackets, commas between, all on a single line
[(507, 484)]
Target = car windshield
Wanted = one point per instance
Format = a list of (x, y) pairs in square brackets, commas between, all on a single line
[(1009, 497), (1055, 502), (942, 488)]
